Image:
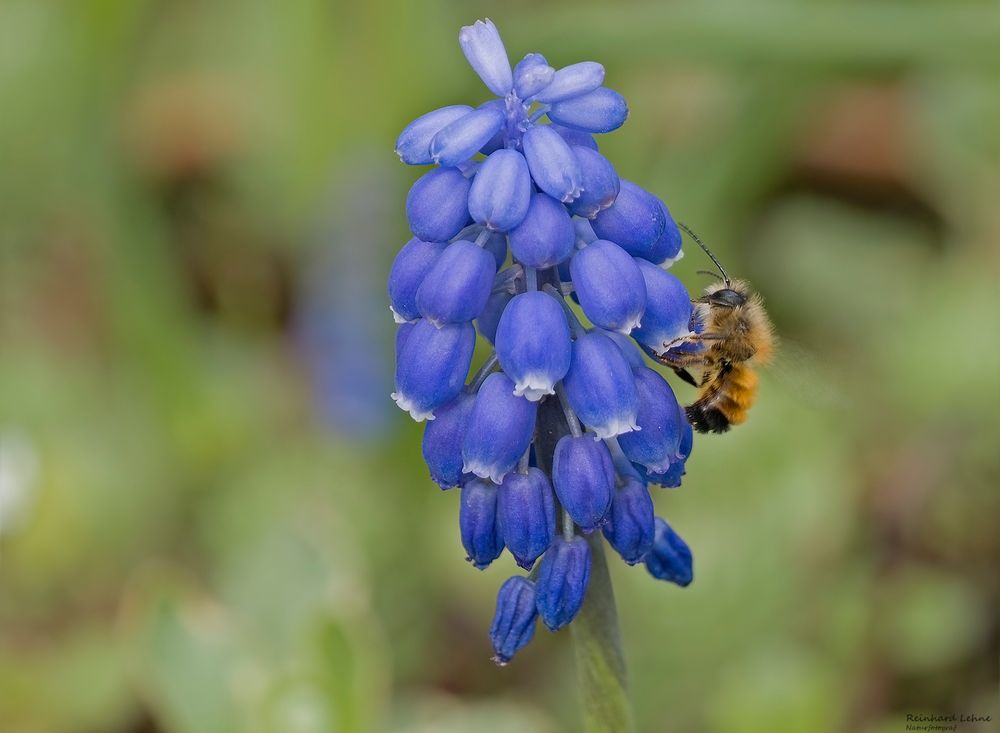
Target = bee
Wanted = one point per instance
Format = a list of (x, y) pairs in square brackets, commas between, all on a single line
[(736, 335)]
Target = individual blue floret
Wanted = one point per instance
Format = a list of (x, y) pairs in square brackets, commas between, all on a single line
[(514, 621), (669, 558), (527, 514), (477, 520), (562, 581)]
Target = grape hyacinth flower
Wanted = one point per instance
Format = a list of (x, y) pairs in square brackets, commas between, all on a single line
[(525, 233)]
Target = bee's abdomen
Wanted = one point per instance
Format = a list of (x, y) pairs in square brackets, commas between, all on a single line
[(724, 400)]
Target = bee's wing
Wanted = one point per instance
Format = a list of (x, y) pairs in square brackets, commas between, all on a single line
[(804, 374)]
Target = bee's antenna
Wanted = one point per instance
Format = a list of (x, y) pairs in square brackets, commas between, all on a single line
[(709, 273), (701, 244)]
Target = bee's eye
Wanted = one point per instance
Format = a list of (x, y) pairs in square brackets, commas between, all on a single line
[(727, 298)]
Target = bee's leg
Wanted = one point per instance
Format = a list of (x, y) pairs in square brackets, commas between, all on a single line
[(685, 375), (679, 341)]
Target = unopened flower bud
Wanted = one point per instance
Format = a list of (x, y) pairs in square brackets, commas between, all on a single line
[(527, 514), (477, 520), (670, 558), (630, 526), (562, 581), (514, 621), (584, 479)]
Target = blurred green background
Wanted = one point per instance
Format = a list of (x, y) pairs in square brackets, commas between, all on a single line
[(212, 517)]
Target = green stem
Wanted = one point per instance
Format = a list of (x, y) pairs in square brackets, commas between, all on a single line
[(597, 647)]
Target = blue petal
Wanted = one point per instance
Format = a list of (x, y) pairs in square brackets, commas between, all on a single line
[(670, 557), (501, 191), (437, 205), (496, 245), (460, 140), (656, 445), (545, 237), (584, 478), (609, 285), (601, 110), (413, 146), (403, 332), (575, 137), (533, 344), (497, 141), (442, 443), (477, 520), (484, 49), (600, 386), (584, 231), (499, 431), (671, 478), (458, 284), (409, 268), (668, 309), (531, 75), (514, 621), (630, 527), (600, 183), (628, 347), (527, 514), (551, 162), (572, 81), (489, 319), (668, 246), (562, 581), (635, 222), (431, 367)]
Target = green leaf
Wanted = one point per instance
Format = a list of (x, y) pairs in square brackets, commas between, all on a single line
[(597, 647)]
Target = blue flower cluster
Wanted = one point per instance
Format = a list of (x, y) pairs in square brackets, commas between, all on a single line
[(564, 427)]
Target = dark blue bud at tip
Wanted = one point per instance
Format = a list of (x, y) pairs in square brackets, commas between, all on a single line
[(514, 621)]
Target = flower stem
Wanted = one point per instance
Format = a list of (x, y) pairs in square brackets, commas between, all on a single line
[(597, 648)]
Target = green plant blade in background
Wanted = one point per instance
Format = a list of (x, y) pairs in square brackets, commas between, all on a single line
[(597, 648)]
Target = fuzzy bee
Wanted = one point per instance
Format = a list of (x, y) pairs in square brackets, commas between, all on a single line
[(736, 335)]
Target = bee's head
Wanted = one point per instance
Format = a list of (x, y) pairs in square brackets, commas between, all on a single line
[(726, 298)]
